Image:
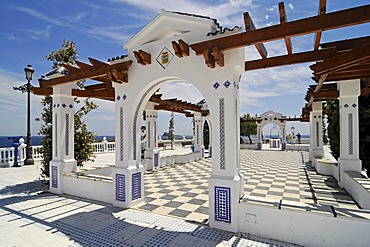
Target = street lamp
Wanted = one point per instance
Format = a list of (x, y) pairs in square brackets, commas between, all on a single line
[(29, 159)]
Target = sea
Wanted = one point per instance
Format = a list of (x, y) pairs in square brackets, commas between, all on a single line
[(7, 141)]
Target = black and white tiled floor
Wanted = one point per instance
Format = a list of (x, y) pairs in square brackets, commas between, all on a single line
[(271, 177)]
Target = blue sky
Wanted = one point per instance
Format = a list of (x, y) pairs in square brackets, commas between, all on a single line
[(31, 29)]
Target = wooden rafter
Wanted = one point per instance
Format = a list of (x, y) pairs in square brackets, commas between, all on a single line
[(283, 21), (322, 11), (308, 25), (86, 71), (343, 60), (219, 57), (181, 48), (249, 26), (309, 56), (209, 58), (346, 45), (142, 57)]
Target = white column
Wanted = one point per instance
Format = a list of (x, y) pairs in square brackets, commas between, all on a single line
[(226, 181), (316, 142), (128, 174), (63, 136), (283, 133), (151, 132), (349, 128), (259, 136), (198, 139)]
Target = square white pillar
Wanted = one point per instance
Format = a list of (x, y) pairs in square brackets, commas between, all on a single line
[(63, 136), (349, 128), (316, 135), (128, 174)]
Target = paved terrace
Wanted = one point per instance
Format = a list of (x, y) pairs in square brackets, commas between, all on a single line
[(175, 211)]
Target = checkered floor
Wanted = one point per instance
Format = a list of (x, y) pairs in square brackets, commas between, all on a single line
[(271, 177), (179, 190)]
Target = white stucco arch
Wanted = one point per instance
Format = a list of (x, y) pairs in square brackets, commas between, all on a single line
[(271, 117), (219, 87)]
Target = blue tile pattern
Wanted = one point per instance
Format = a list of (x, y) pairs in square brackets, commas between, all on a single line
[(118, 98), (120, 188), (216, 85), (222, 204), (121, 133), (56, 135), (156, 159), (136, 186), (350, 133), (67, 135), (222, 133), (54, 176)]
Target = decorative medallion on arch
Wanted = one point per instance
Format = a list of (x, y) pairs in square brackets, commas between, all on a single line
[(165, 58)]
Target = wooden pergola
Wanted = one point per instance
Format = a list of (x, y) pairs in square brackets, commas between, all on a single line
[(339, 60)]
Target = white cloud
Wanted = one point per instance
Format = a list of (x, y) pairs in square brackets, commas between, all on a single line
[(109, 34), (291, 6), (272, 8), (227, 13), (266, 17), (38, 15), (38, 34)]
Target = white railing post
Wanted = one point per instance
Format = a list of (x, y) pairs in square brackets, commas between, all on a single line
[(105, 145), (22, 151)]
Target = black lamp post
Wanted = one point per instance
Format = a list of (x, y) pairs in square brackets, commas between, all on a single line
[(29, 159)]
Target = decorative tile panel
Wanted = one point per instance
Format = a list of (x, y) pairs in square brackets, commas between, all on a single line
[(222, 204), (118, 98), (70, 106), (216, 85), (350, 133), (222, 133), (54, 176), (56, 135), (156, 159), (165, 58), (64, 105), (121, 133), (317, 135), (67, 135), (136, 186), (120, 188)]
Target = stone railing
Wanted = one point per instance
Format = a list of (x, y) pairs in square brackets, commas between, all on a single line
[(7, 154)]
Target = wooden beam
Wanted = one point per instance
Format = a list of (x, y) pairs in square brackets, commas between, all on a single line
[(184, 48), (92, 94), (343, 60), (86, 73), (309, 25), (303, 57), (249, 26), (219, 57), (177, 49), (71, 68), (146, 57), (42, 91), (82, 65), (139, 60), (348, 76), (322, 11), (283, 21), (347, 44), (209, 58), (96, 63), (320, 84)]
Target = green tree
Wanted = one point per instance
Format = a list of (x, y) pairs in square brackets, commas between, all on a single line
[(206, 135), (364, 131), (83, 137), (332, 108), (248, 129), (171, 130)]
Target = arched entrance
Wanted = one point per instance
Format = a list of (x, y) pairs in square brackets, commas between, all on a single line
[(219, 86), (276, 131)]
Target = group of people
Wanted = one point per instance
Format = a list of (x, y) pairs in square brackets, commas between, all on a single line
[(291, 139)]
